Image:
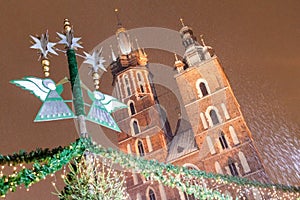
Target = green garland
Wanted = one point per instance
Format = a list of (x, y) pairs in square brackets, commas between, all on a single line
[(39, 155), (40, 171), (167, 174)]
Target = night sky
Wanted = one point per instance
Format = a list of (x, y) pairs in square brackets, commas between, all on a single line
[(257, 42)]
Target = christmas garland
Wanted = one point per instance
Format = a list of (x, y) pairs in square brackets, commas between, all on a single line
[(39, 155), (50, 165), (171, 175), (48, 162)]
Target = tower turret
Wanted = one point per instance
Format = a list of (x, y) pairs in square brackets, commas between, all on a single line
[(195, 53)]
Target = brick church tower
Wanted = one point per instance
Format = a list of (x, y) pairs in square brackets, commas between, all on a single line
[(211, 134)]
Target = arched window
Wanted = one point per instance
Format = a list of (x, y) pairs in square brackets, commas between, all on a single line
[(191, 166), (225, 111), (233, 135), (151, 195), (127, 85), (139, 76), (244, 162), (214, 117), (140, 82), (223, 140), (140, 148), (132, 108), (202, 87), (135, 128), (204, 122), (142, 88), (232, 167)]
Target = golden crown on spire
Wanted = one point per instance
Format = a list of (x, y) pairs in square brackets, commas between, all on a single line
[(182, 23)]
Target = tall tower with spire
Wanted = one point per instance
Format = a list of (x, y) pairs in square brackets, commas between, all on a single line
[(144, 133), (211, 135), (224, 142)]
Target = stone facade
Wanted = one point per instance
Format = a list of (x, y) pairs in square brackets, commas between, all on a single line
[(221, 140)]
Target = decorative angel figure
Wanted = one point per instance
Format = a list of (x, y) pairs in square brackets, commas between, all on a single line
[(54, 107), (102, 107)]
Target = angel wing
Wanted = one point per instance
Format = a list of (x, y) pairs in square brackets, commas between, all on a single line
[(112, 104), (34, 85)]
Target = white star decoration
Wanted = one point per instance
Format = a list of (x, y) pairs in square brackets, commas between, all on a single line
[(43, 45), (95, 60), (69, 40)]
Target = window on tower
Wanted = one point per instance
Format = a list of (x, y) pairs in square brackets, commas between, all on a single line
[(127, 85), (214, 117), (136, 127), (140, 148), (132, 108), (139, 76), (142, 88), (140, 82), (232, 167), (223, 141), (202, 87), (151, 195)]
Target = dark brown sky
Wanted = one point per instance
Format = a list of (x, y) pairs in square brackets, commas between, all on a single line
[(258, 43)]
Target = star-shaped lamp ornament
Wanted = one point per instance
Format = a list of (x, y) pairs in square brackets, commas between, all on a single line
[(69, 40), (54, 107), (96, 61), (43, 45)]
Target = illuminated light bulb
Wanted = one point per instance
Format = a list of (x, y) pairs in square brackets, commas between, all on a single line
[(27, 189)]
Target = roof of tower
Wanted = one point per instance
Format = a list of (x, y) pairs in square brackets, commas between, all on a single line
[(183, 141), (128, 56)]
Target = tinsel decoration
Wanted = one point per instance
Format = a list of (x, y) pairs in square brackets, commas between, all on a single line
[(39, 171), (92, 179), (187, 180)]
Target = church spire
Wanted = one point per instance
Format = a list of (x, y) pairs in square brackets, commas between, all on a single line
[(194, 52), (179, 65), (123, 37), (142, 56), (118, 18), (182, 23)]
